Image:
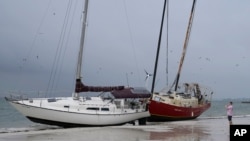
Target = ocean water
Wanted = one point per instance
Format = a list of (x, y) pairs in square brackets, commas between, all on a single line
[(12, 121)]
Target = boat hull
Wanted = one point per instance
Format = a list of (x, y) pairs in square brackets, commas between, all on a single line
[(165, 112), (66, 118)]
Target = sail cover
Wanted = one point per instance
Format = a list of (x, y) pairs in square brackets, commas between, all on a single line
[(131, 93), (80, 87), (116, 91)]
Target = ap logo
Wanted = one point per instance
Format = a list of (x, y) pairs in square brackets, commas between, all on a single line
[(239, 132)]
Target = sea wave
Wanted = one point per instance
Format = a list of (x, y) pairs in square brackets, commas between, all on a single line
[(221, 117), (28, 129)]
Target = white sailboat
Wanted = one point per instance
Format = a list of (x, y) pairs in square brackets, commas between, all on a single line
[(126, 105)]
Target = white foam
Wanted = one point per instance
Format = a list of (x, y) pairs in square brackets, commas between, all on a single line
[(27, 129)]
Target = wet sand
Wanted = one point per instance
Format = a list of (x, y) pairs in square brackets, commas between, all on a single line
[(191, 130)]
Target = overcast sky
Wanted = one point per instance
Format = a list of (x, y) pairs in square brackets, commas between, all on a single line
[(121, 42)]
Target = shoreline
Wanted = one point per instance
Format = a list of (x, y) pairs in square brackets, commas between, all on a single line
[(197, 129)]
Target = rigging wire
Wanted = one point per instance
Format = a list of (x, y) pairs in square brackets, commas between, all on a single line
[(167, 25), (26, 58), (188, 32), (38, 31), (132, 42), (55, 66), (66, 43)]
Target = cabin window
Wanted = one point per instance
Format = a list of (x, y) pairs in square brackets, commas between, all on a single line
[(104, 109), (157, 98), (30, 100), (93, 108), (52, 100)]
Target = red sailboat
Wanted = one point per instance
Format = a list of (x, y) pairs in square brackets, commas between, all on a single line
[(179, 102)]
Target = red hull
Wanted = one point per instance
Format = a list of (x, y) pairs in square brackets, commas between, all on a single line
[(166, 112)]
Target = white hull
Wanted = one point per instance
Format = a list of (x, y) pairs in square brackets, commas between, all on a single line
[(128, 104), (69, 112)]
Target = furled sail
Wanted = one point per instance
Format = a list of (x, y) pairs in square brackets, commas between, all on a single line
[(131, 93), (80, 87)]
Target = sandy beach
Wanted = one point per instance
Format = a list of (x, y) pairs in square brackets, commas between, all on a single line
[(193, 130)]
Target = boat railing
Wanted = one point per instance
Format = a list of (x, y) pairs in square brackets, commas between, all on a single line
[(207, 93), (129, 104), (24, 95), (17, 97)]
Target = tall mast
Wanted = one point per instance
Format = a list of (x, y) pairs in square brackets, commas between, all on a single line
[(80, 87), (158, 48), (79, 61), (185, 44), (84, 24)]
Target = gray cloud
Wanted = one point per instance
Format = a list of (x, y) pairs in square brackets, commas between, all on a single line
[(121, 41)]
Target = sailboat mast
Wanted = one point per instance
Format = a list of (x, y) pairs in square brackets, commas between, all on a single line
[(185, 44), (84, 24), (79, 61), (158, 48)]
